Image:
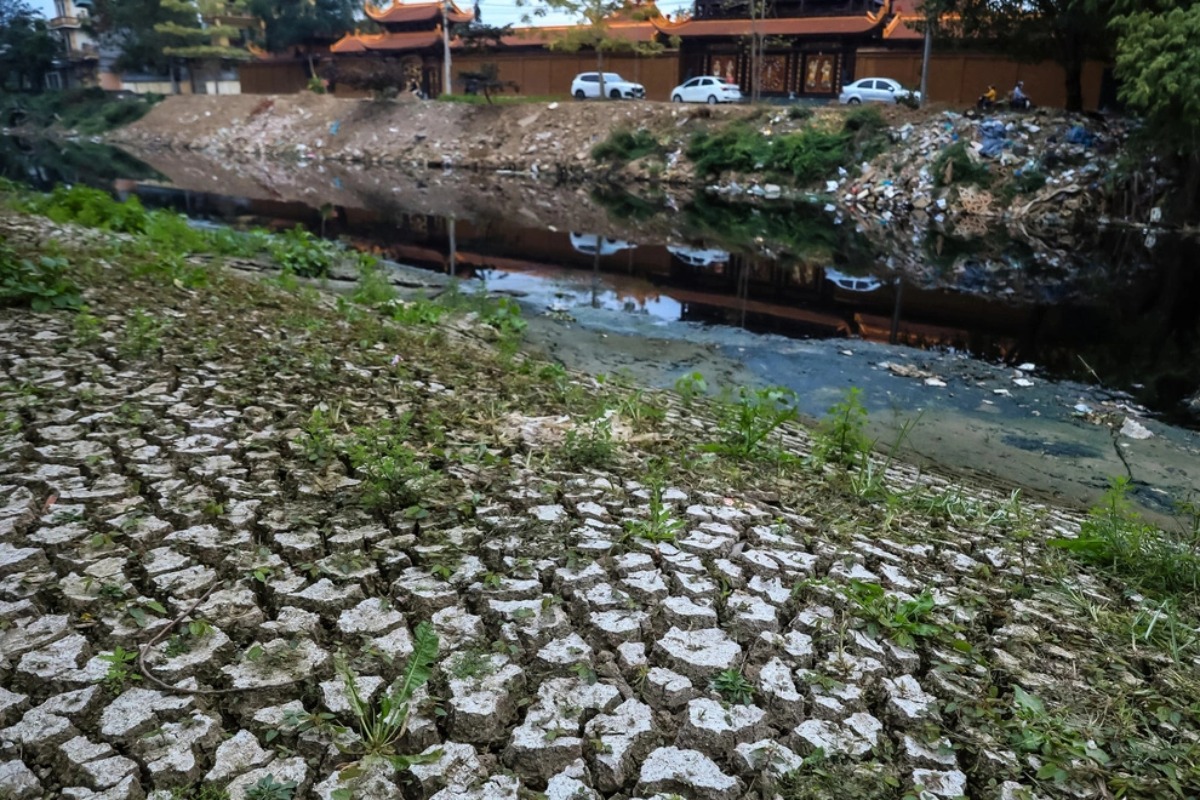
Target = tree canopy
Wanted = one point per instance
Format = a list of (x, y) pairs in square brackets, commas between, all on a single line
[(288, 23), (197, 33), (27, 47)]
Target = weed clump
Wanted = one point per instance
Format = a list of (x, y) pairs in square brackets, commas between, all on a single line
[(301, 253), (40, 284), (624, 145), (955, 166), (806, 156)]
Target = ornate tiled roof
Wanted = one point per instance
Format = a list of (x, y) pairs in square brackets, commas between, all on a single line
[(398, 13)]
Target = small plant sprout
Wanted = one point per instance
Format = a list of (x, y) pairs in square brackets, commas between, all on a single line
[(379, 726), (267, 788), (120, 669), (747, 423), (904, 621), (659, 525), (840, 436), (734, 687)]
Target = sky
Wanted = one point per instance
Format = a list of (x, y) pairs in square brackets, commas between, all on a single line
[(495, 12)]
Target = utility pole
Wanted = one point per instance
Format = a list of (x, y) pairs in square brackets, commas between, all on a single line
[(447, 88), (930, 18)]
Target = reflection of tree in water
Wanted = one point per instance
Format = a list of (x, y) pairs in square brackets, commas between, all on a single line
[(43, 163)]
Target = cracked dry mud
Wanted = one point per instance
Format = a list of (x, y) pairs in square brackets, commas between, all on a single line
[(182, 482)]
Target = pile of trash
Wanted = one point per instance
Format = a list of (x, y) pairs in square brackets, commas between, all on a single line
[(1047, 164)]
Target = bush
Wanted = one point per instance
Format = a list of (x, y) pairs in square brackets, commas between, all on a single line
[(42, 285), (303, 254), (623, 146), (806, 156), (955, 166), (93, 208)]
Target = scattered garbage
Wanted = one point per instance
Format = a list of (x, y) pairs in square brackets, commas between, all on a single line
[(1135, 430)]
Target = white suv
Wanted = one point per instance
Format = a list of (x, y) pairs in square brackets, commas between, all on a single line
[(587, 84)]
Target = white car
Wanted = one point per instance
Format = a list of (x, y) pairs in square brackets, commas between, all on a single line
[(875, 90), (852, 283), (696, 257), (590, 243), (587, 84), (706, 89)]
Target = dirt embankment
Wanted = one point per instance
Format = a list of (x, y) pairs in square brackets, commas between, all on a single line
[(942, 167)]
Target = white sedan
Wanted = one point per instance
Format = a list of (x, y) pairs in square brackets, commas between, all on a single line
[(706, 89), (875, 90)]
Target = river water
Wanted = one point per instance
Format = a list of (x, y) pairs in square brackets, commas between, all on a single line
[(1114, 310)]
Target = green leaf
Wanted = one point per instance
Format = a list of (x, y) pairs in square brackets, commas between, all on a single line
[(1028, 702), (156, 607), (401, 763), (420, 663)]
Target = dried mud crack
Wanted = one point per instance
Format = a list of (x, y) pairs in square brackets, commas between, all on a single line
[(232, 486)]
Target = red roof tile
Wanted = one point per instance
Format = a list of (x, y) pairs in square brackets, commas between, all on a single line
[(416, 12), (362, 43), (791, 26)]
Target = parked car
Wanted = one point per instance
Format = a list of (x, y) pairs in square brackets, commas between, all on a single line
[(589, 243), (587, 84), (875, 90), (696, 257), (706, 89), (852, 283)]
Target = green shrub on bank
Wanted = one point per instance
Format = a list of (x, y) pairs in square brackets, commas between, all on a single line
[(302, 253), (40, 284), (805, 156), (955, 166), (91, 208), (624, 145)]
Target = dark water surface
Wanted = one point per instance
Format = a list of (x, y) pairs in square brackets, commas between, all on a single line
[(1100, 305)]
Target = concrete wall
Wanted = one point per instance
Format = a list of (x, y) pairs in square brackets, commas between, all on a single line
[(959, 78)]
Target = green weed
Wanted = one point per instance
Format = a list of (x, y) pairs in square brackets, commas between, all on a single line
[(121, 669), (393, 475), (1115, 537), (734, 687), (41, 284), (747, 423), (659, 525), (301, 253), (267, 788), (903, 621), (954, 166), (143, 334), (691, 386), (589, 445), (624, 145), (841, 438), (381, 725), (373, 288)]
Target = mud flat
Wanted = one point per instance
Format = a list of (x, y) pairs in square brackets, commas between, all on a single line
[(243, 484)]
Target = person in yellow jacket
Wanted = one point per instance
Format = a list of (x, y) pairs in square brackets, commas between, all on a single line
[(987, 100)]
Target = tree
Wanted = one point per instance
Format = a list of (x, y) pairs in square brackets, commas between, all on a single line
[(197, 35), (27, 47), (288, 23), (1158, 64), (1068, 32), (130, 26), (593, 30)]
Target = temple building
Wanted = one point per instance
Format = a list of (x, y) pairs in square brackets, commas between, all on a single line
[(809, 46)]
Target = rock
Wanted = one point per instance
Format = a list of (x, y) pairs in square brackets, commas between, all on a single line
[(667, 689), (136, 711), (670, 770), (941, 784), (625, 736), (715, 728), (18, 782), (283, 770), (235, 756), (375, 780), (698, 654), (481, 705), (765, 758), (456, 768)]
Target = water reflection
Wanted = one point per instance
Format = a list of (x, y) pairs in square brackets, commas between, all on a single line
[(1094, 303)]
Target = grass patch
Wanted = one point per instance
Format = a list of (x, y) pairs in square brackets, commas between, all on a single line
[(624, 145), (804, 157), (955, 167), (1116, 538)]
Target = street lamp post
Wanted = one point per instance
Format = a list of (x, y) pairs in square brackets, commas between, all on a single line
[(446, 87)]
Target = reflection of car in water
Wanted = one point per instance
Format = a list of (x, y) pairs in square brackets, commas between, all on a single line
[(590, 243), (853, 283), (698, 258)]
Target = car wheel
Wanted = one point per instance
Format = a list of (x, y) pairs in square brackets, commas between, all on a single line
[(579, 95), (676, 99), (853, 101), (712, 99), (615, 94)]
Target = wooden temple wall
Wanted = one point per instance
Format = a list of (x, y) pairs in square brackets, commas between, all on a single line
[(959, 78), (549, 73)]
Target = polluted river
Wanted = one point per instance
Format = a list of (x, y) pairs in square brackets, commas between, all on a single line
[(1051, 366)]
